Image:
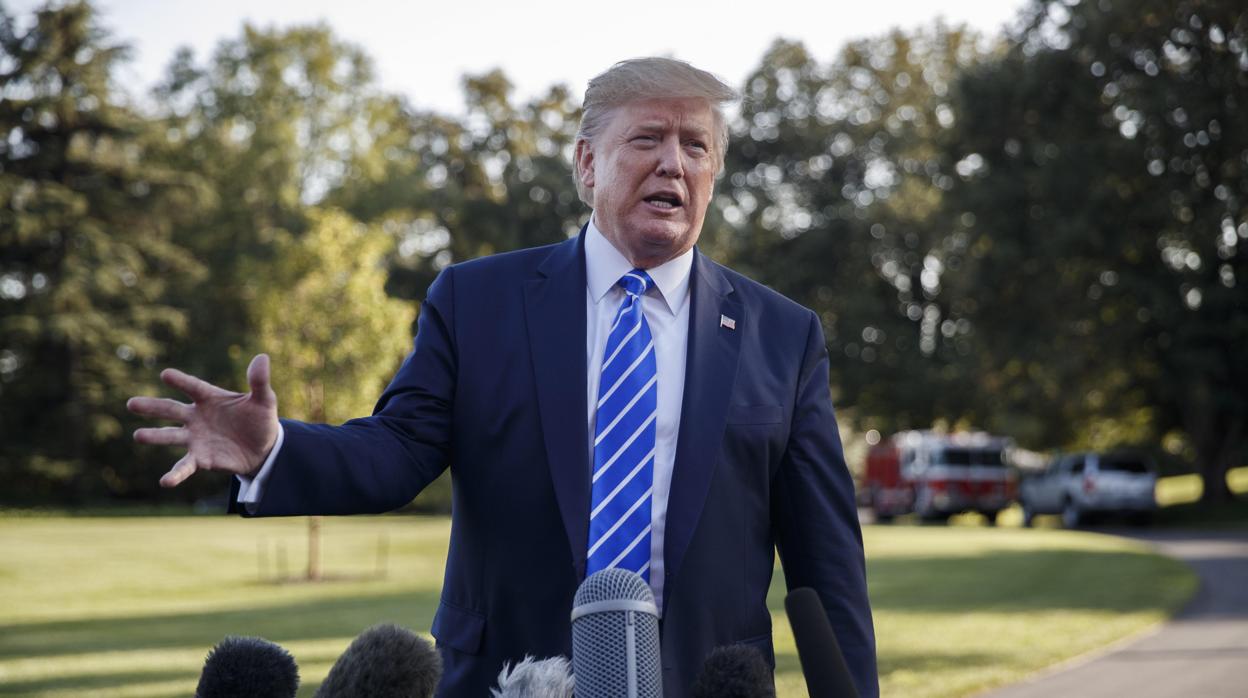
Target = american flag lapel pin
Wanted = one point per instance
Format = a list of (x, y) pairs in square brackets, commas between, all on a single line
[(725, 321)]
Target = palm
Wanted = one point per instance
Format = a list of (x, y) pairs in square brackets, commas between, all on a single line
[(230, 429), (221, 429)]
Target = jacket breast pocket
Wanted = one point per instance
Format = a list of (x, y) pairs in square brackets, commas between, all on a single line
[(754, 414)]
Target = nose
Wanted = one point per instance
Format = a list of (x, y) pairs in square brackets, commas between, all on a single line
[(670, 163)]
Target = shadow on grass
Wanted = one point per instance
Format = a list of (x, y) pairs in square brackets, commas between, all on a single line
[(1232, 514), (932, 663), (310, 620), (1029, 581), (1012, 581), (788, 662), (95, 682)]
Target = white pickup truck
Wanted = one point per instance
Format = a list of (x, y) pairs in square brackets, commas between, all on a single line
[(1081, 485)]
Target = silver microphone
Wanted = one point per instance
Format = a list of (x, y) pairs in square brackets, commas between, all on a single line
[(615, 637)]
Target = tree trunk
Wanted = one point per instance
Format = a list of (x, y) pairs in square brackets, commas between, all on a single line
[(314, 549), (314, 522), (1213, 479), (1217, 457)]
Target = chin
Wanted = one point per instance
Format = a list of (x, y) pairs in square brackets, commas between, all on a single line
[(662, 244), (665, 232)]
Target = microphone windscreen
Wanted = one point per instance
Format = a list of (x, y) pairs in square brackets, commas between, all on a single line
[(615, 637), (827, 676), (385, 661), (248, 667), (735, 671), (533, 678)]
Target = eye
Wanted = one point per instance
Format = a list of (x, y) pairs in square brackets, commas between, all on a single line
[(697, 145), (644, 139)]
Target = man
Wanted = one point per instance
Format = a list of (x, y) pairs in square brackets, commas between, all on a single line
[(613, 400)]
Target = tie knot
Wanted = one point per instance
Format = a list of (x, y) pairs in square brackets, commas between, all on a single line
[(636, 282)]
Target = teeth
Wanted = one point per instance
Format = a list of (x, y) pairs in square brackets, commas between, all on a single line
[(662, 204)]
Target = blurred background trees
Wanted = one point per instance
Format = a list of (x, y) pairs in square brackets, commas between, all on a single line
[(322, 314), (90, 273), (836, 196), (1039, 234), (1110, 152)]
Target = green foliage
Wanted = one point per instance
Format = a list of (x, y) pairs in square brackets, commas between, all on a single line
[(1111, 152), (88, 261), (321, 311), (835, 196), (454, 189), (267, 122), (1041, 236)]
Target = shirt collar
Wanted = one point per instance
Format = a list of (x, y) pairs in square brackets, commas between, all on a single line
[(604, 265)]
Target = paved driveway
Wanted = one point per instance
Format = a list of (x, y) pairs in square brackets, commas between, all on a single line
[(1202, 652)]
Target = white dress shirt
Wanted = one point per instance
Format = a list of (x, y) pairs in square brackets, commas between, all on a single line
[(666, 307)]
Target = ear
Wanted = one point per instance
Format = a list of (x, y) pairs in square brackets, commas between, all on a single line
[(585, 160)]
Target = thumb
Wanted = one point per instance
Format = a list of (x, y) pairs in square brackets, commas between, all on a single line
[(258, 376)]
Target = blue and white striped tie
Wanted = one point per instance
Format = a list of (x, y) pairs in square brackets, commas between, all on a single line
[(624, 437)]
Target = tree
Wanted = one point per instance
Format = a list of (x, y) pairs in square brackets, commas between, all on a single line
[(834, 196), (85, 219), (268, 122), (321, 311), (1112, 145), (451, 189)]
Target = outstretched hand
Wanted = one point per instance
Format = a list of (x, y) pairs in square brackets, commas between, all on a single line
[(221, 429)]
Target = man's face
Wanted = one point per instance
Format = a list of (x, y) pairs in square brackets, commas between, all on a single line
[(652, 170)]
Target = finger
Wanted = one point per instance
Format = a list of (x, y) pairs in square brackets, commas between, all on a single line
[(258, 377), (181, 470), (163, 436), (196, 388), (159, 408)]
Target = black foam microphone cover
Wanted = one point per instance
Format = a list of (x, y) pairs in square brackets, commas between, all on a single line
[(827, 676), (615, 637), (735, 671), (248, 667), (385, 661)]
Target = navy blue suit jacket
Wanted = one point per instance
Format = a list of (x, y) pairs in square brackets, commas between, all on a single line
[(496, 389)]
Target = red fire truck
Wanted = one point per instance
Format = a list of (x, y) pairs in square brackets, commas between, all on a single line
[(938, 475)]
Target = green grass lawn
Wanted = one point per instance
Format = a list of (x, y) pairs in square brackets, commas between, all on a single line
[(130, 606)]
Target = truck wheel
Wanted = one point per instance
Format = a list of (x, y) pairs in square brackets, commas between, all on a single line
[(881, 517), (1071, 516), (1029, 517)]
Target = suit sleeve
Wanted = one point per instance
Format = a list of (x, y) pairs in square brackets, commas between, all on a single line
[(816, 517), (376, 463)]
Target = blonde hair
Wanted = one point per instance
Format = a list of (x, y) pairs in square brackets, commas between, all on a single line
[(649, 78)]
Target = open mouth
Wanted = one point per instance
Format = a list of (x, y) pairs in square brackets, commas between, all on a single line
[(667, 200)]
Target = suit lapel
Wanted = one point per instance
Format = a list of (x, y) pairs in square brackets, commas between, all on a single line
[(710, 370), (555, 312)]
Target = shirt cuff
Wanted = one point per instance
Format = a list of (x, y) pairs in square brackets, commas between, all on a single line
[(251, 489)]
